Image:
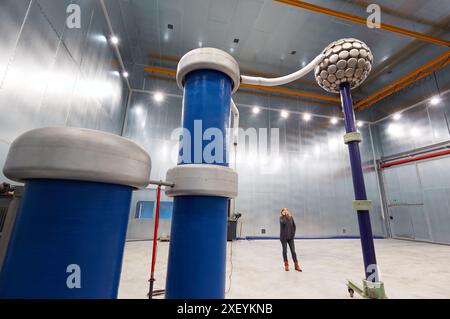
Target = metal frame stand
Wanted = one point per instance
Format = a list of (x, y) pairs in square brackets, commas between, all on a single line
[(370, 290)]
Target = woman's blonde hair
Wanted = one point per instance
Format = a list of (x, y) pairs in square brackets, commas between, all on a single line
[(281, 211)]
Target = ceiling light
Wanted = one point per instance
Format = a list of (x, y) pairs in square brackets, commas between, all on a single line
[(395, 130), (125, 74), (334, 120), (360, 124), (138, 110), (306, 117), (284, 114), (101, 38), (255, 110), (159, 97), (114, 40), (415, 132), (435, 100), (397, 116)]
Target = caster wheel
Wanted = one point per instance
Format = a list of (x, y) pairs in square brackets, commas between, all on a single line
[(351, 292)]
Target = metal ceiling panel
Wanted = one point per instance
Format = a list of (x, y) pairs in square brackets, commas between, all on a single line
[(269, 31), (222, 11)]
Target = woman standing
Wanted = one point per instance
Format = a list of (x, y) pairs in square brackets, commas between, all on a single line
[(287, 234)]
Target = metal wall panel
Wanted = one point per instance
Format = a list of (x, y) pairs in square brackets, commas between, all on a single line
[(150, 124), (310, 174), (431, 85), (419, 126), (27, 75), (435, 177), (55, 13), (53, 75), (141, 229), (76, 40), (406, 208), (417, 193), (12, 14)]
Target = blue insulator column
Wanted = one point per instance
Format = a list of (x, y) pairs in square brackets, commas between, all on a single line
[(69, 234), (206, 106), (65, 229), (197, 253), (365, 229)]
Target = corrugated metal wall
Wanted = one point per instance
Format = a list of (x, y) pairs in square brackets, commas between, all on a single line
[(51, 75), (310, 175), (429, 85), (54, 75), (417, 194), (420, 126)]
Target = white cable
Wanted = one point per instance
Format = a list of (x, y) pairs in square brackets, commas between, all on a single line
[(284, 79), (231, 268)]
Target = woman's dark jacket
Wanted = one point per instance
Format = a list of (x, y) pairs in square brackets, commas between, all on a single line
[(287, 228)]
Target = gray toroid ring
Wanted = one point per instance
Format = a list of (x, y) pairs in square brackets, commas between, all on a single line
[(77, 154), (202, 180), (212, 59)]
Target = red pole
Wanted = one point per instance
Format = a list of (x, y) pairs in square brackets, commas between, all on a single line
[(415, 159), (155, 240)]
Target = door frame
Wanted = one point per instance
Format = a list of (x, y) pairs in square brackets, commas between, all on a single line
[(385, 203)]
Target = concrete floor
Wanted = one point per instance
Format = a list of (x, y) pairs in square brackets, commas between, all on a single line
[(409, 269)]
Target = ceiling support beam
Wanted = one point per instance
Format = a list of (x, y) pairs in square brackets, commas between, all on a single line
[(411, 77), (356, 19), (275, 89), (257, 87), (157, 70)]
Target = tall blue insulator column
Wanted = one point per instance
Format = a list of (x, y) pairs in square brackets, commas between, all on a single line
[(69, 234), (345, 66), (365, 228), (203, 182)]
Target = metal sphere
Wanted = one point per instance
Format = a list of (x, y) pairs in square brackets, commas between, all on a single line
[(345, 59)]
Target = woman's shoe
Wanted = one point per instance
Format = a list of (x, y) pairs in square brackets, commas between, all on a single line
[(297, 267), (286, 266)]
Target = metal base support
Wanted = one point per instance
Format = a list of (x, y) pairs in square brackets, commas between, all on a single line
[(369, 290)]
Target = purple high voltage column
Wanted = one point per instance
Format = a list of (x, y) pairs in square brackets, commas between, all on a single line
[(359, 187)]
